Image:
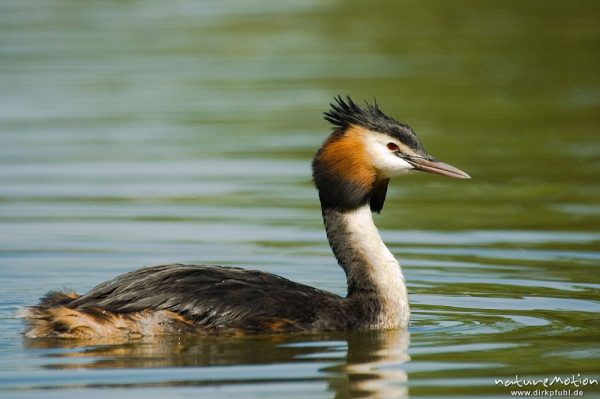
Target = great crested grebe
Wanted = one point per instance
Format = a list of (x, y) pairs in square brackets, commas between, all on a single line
[(351, 172)]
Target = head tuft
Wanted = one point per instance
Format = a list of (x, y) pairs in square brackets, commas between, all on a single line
[(346, 113)]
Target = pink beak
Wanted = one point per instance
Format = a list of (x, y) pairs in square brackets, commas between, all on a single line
[(436, 167)]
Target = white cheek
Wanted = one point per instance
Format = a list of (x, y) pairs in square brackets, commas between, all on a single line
[(391, 165), (386, 162)]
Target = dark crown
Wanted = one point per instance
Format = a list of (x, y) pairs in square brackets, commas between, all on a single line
[(344, 113)]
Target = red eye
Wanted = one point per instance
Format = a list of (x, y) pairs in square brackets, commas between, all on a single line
[(392, 146)]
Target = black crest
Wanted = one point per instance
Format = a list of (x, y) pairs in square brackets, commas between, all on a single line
[(344, 113)]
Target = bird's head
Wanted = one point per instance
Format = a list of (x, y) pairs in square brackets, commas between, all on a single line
[(367, 148)]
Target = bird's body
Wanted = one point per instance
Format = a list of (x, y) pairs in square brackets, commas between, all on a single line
[(351, 171), (198, 299)]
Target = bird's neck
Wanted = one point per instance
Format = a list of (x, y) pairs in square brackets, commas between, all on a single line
[(376, 287)]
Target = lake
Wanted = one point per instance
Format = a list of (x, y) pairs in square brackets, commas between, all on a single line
[(141, 133)]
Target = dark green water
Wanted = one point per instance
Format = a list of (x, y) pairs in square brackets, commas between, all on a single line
[(135, 133)]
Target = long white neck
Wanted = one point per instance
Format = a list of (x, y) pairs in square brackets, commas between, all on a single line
[(375, 282)]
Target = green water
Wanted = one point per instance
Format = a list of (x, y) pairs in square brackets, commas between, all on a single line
[(136, 133)]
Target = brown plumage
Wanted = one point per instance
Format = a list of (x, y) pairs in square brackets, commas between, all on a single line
[(345, 158)]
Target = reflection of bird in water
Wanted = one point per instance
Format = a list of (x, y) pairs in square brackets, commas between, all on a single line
[(368, 364), (351, 172), (374, 366)]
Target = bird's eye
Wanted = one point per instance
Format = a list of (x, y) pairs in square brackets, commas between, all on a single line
[(392, 146)]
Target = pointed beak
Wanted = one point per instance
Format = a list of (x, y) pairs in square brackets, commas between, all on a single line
[(436, 167)]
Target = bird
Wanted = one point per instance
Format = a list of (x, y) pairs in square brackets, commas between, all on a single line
[(351, 172)]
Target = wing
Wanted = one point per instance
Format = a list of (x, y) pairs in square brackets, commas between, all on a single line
[(219, 297)]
